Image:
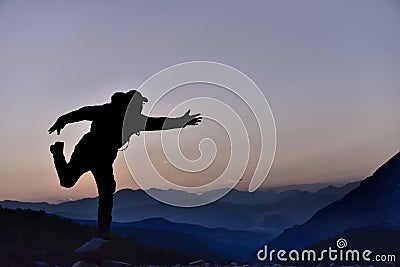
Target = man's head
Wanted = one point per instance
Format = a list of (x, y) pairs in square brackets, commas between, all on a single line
[(136, 95), (123, 99)]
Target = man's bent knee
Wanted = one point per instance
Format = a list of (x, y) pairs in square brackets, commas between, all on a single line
[(68, 180)]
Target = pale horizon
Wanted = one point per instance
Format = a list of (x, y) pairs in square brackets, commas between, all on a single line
[(319, 186)]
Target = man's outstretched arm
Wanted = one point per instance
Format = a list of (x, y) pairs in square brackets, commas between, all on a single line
[(165, 123), (86, 113)]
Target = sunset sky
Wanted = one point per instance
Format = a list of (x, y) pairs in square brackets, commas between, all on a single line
[(329, 69)]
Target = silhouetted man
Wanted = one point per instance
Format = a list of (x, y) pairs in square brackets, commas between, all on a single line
[(98, 148)]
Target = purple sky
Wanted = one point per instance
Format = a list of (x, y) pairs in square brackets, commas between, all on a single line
[(329, 69)]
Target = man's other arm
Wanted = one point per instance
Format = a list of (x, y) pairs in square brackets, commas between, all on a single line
[(166, 123)]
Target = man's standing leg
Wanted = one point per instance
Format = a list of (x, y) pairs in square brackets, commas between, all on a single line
[(106, 187)]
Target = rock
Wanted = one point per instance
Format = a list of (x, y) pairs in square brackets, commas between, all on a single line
[(92, 245), (109, 263), (41, 264), (84, 264)]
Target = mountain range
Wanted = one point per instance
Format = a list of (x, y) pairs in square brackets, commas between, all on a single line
[(366, 214), (262, 211), (375, 203)]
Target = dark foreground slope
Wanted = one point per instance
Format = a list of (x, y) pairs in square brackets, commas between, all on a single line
[(28, 236), (237, 245)]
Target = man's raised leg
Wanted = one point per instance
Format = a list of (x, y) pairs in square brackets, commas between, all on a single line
[(68, 173)]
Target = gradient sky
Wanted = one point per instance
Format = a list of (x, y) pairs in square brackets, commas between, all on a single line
[(329, 69)]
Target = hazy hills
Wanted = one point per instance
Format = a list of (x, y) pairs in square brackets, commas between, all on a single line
[(262, 211)]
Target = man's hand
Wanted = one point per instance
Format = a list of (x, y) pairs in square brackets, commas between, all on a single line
[(57, 126), (191, 119)]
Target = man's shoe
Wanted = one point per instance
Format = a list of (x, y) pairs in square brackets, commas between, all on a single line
[(57, 148)]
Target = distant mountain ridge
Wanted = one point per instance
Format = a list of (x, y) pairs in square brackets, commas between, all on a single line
[(268, 211), (313, 187), (375, 203)]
